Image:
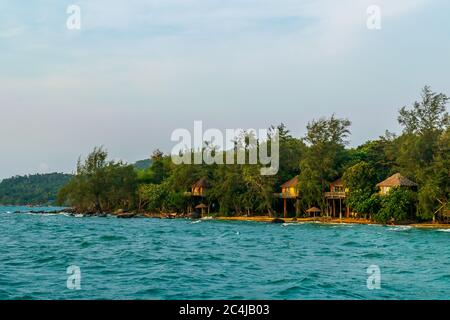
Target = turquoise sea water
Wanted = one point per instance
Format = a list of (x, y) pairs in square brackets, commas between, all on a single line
[(183, 259)]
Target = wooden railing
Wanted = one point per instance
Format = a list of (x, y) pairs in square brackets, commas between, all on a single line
[(335, 195), (285, 195)]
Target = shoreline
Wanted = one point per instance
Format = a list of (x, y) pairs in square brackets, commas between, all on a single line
[(322, 220), (266, 219)]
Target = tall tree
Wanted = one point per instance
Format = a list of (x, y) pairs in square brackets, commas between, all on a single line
[(324, 158), (421, 149)]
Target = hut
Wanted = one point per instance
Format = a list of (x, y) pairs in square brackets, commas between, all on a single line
[(198, 189), (334, 199), (396, 180), (197, 193), (313, 211), (290, 191)]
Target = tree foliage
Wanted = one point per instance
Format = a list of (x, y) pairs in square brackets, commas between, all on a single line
[(421, 152), (100, 185), (37, 189), (397, 206)]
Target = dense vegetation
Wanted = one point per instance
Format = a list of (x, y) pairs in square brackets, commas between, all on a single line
[(421, 153), (143, 164), (32, 189)]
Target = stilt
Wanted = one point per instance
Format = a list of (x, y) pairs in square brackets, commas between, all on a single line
[(334, 209), (340, 209), (285, 209)]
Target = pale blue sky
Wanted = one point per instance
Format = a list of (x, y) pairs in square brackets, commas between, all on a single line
[(139, 69)]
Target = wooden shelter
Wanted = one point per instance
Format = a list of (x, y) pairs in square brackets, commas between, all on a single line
[(202, 207), (396, 180), (313, 210), (198, 189), (290, 190), (334, 199)]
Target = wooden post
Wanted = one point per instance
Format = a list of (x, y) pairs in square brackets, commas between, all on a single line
[(285, 209), (348, 211), (334, 208), (340, 208)]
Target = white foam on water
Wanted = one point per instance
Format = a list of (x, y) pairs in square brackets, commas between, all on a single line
[(343, 224), (400, 228), (443, 230), (197, 221), (286, 224), (79, 215)]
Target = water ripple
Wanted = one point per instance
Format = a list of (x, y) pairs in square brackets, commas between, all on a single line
[(178, 259)]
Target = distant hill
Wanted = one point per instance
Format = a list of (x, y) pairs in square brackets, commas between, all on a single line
[(41, 189), (143, 164), (32, 189)]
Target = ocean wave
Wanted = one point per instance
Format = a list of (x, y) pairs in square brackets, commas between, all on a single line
[(443, 230)]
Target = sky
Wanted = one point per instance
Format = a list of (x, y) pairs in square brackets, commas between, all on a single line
[(137, 70)]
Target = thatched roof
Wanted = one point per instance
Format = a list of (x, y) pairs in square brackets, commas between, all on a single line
[(201, 206), (397, 180), (313, 209), (338, 182), (291, 183), (201, 183)]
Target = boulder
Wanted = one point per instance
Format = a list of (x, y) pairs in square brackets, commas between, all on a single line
[(126, 215)]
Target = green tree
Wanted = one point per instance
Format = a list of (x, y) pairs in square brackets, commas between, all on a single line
[(360, 180), (422, 149), (397, 206), (100, 185), (324, 158)]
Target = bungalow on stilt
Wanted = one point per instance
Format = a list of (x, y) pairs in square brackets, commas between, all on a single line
[(334, 199), (290, 195), (198, 194)]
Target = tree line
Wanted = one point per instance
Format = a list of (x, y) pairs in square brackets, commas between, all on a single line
[(36, 189), (421, 153)]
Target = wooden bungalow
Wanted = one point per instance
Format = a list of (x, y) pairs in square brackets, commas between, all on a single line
[(334, 199), (290, 192), (396, 180), (198, 189), (197, 194)]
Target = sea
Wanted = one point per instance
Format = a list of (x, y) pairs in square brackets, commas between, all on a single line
[(58, 256)]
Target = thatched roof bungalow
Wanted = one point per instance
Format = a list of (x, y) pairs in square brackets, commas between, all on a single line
[(289, 189), (396, 180), (198, 189)]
